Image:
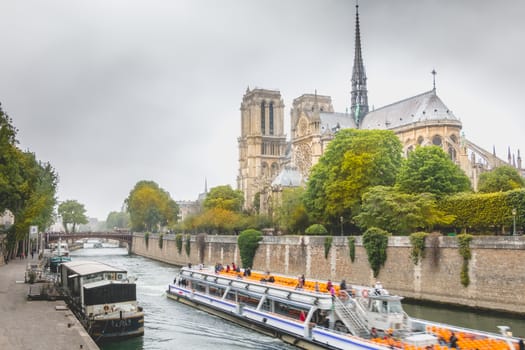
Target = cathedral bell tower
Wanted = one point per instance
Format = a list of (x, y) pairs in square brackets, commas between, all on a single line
[(262, 144), (359, 95)]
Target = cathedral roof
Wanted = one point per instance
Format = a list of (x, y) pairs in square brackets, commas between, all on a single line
[(288, 177), (424, 107), (331, 122)]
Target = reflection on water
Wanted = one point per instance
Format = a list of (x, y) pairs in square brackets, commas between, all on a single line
[(171, 325)]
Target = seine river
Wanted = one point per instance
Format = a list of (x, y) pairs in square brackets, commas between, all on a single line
[(171, 325)]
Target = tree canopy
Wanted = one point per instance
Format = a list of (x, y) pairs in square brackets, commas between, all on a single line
[(27, 186), (119, 220), (399, 213), (291, 215), (354, 161), (224, 197), (500, 179), (151, 207), (73, 213), (430, 170)]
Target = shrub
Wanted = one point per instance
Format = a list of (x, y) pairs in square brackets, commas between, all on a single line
[(248, 242), (316, 229), (178, 242), (375, 241), (351, 248), (417, 239)]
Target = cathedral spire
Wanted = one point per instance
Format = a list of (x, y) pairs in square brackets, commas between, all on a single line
[(359, 97)]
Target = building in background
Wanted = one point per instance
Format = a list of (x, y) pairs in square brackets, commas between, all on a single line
[(267, 161)]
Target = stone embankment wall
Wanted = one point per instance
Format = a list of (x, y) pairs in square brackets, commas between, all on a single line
[(496, 270)]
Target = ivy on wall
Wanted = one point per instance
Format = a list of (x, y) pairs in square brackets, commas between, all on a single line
[(375, 241), (417, 240), (351, 248), (248, 242), (464, 250), (178, 242), (161, 240), (201, 246), (327, 245), (146, 239), (188, 245)]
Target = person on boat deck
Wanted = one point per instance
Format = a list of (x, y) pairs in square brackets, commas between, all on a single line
[(521, 345), (300, 283), (343, 285), (302, 316), (453, 341), (378, 287), (234, 268), (373, 332), (329, 285), (227, 268)]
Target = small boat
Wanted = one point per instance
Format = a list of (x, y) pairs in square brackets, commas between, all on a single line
[(58, 254), (103, 298), (311, 315)]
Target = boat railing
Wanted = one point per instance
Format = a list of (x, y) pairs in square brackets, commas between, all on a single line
[(350, 316)]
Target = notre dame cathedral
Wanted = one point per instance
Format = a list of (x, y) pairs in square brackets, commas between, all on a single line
[(268, 162)]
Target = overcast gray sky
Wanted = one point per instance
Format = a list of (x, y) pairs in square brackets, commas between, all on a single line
[(112, 92)]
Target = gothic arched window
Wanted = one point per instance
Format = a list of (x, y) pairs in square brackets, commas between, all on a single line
[(420, 140), (452, 153), (436, 140), (271, 117), (263, 117)]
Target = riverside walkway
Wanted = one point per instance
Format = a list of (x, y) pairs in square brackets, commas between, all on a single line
[(35, 324)]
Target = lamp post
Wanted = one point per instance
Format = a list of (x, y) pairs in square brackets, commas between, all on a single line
[(513, 221), (341, 219)]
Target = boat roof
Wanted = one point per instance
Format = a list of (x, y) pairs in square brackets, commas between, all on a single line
[(83, 268)]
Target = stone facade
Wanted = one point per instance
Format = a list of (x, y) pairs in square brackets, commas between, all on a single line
[(417, 120), (497, 275)]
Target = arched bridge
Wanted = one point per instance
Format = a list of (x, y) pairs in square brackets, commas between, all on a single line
[(121, 236)]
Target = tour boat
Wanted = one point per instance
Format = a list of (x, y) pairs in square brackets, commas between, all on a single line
[(312, 317), (103, 298)]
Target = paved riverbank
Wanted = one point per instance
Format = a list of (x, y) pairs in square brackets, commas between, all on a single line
[(35, 324)]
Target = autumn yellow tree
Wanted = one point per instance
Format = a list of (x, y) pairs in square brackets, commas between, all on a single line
[(150, 207)]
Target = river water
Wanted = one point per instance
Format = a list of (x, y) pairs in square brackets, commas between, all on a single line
[(171, 325)]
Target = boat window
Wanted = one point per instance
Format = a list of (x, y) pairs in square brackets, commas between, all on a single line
[(231, 296), (395, 307), (248, 300), (289, 310), (216, 291), (200, 287)]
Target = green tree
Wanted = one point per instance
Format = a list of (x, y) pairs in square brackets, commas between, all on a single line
[(429, 169), (218, 220), (119, 220), (291, 215), (500, 179), (27, 186), (73, 213), (224, 197), (353, 161), (151, 207), (400, 213)]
